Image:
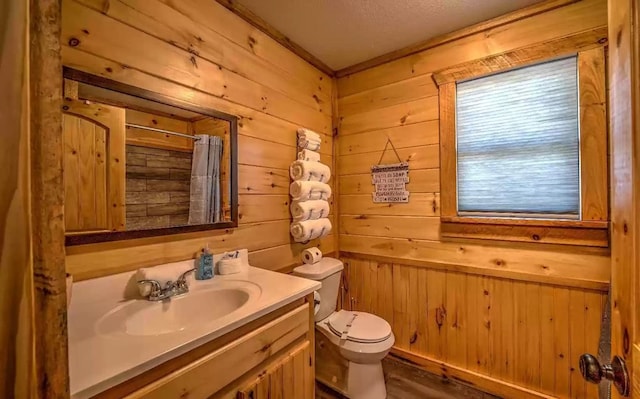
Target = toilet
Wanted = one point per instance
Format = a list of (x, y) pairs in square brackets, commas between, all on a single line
[(361, 339)]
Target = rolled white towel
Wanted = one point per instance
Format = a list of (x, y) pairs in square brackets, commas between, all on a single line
[(307, 170), (308, 155), (309, 135), (309, 190), (309, 210), (161, 274), (309, 145), (310, 229)]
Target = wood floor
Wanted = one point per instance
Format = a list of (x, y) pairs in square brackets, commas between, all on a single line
[(405, 381)]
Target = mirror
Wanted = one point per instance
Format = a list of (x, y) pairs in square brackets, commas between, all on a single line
[(139, 164)]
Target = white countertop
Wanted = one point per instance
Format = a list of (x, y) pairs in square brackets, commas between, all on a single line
[(98, 362)]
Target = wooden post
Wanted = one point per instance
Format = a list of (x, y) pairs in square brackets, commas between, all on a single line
[(47, 199)]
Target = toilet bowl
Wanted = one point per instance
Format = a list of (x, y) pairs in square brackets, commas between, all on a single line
[(365, 344), (362, 339)]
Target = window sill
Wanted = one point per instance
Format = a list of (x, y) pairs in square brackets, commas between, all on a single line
[(566, 232)]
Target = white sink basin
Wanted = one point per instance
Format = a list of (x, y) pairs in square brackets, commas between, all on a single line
[(195, 308)]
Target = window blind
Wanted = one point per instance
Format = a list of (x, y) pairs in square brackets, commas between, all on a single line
[(518, 141)]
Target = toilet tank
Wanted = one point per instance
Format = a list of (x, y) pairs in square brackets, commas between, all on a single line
[(328, 271)]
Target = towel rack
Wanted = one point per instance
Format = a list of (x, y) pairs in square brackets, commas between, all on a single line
[(153, 129)]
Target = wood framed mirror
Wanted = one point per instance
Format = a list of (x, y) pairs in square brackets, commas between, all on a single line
[(140, 164)]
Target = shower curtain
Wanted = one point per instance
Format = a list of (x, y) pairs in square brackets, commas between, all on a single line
[(205, 204)]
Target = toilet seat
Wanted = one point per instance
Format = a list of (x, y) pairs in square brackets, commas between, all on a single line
[(364, 328), (358, 352)]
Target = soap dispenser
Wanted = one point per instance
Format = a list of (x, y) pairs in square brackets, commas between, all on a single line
[(205, 265)]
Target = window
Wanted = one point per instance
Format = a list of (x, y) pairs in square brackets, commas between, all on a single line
[(518, 143), (524, 149)]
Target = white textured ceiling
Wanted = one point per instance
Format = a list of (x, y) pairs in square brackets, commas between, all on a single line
[(345, 32)]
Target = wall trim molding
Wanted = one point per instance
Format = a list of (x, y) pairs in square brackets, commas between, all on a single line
[(480, 381), (520, 275), (525, 56)]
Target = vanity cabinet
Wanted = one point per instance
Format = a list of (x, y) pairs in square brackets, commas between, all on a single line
[(291, 377), (269, 356)]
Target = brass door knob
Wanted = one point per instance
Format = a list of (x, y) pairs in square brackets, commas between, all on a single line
[(616, 372)]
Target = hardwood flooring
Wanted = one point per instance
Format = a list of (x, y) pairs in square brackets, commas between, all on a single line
[(405, 381)]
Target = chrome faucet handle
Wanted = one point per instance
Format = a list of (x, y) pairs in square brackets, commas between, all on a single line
[(156, 288), (181, 282)]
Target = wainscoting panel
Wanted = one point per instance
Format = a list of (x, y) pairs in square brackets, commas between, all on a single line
[(522, 333)]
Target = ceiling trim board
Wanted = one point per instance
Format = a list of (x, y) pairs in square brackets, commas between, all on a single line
[(514, 16), (253, 19)]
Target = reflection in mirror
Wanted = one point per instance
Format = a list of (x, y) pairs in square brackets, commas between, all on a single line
[(133, 164)]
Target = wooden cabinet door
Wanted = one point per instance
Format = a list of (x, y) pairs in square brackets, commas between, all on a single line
[(94, 167), (291, 377)]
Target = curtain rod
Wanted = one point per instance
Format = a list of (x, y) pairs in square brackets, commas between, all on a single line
[(153, 129)]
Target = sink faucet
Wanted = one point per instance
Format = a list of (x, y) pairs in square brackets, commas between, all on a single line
[(171, 288)]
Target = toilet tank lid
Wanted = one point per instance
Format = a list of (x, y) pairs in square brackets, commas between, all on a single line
[(320, 270)]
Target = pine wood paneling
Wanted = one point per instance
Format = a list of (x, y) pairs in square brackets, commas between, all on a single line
[(259, 180), (244, 35), (586, 270), (260, 208), (255, 123), (285, 257), (510, 331), (423, 228), (459, 34), (420, 181), (213, 59), (402, 137), (146, 138), (179, 66), (392, 94), (555, 48), (172, 26), (423, 157), (89, 261), (510, 314), (560, 22), (420, 204), (396, 115), (18, 329)]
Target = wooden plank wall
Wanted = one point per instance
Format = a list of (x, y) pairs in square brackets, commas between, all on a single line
[(510, 318), (17, 331), (146, 138), (214, 59), (524, 333)]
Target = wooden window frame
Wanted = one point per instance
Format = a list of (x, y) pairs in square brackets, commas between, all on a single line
[(592, 227)]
